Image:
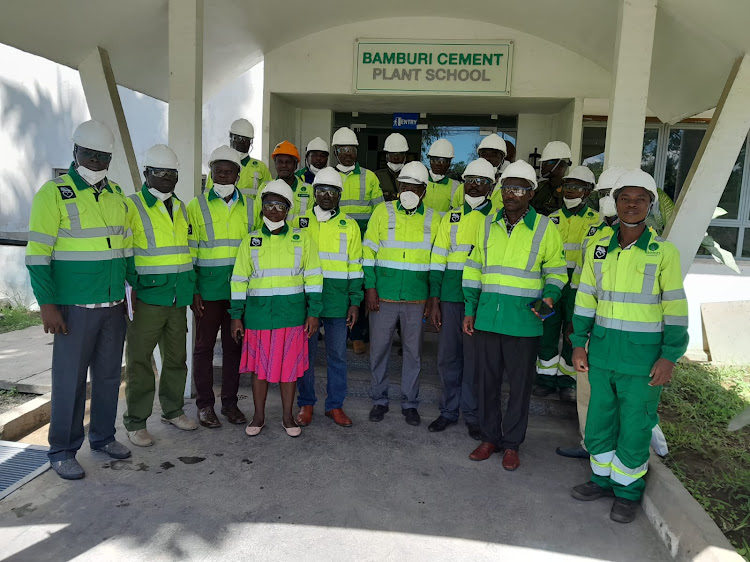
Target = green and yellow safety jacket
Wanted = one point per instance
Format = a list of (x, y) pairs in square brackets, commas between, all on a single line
[(339, 246), (303, 199), (161, 268), (396, 251), (504, 274), (77, 242), (440, 194), (277, 281), (361, 195), (216, 230), (573, 227), (455, 239), (253, 174), (496, 198), (631, 306)]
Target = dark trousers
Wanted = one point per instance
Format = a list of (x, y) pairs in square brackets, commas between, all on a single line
[(94, 342), (361, 329), (456, 365), (498, 354), (215, 316)]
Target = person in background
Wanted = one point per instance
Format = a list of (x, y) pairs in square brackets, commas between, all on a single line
[(510, 157), (339, 245), (396, 262), (441, 189), (456, 354), (395, 148), (286, 159), (161, 272), (219, 220), (512, 278), (554, 164), (632, 313), (276, 285), (316, 158), (76, 262)]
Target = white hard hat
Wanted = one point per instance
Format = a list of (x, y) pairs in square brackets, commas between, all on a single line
[(94, 135), (279, 187), (441, 148), (493, 141), (520, 169), (396, 142), (328, 176), (556, 150), (161, 156), (636, 178), (581, 173), (225, 153), (609, 176), (480, 167), (317, 144), (242, 127), (414, 172), (344, 137)]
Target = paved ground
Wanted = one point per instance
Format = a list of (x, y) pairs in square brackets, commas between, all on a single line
[(384, 491)]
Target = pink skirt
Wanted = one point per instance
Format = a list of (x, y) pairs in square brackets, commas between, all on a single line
[(278, 355)]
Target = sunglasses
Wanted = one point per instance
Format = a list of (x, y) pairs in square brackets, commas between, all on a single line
[(327, 189), (275, 206), (516, 190), (573, 187), (240, 138), (478, 180), (440, 160), (163, 173), (97, 155)]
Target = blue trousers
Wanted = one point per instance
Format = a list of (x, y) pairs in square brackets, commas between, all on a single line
[(335, 340)]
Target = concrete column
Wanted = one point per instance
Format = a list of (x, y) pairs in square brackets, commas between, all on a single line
[(104, 104), (569, 128), (712, 166), (631, 71)]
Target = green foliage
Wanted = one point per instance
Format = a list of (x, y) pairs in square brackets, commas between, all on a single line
[(17, 318)]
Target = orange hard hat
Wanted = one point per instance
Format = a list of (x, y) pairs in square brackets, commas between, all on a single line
[(285, 147)]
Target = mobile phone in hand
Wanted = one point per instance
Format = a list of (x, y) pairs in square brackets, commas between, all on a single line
[(542, 308)]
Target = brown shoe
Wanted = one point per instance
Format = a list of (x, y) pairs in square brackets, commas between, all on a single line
[(234, 414), (207, 417), (359, 347), (304, 418), (339, 417), (483, 452), (511, 460)]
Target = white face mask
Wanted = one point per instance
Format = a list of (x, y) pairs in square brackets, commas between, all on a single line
[(90, 176), (243, 155), (607, 206), (270, 225), (436, 177), (395, 168), (474, 202), (159, 195), (409, 200), (344, 169), (224, 190), (322, 215), (313, 169), (572, 203)]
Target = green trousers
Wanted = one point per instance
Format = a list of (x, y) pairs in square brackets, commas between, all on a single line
[(555, 368), (151, 325), (622, 413)]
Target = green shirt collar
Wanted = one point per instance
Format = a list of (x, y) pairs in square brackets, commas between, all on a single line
[(643, 240), (212, 195), (580, 213), (80, 183), (420, 208), (245, 161), (150, 199), (485, 208), (284, 230), (445, 181), (530, 218)]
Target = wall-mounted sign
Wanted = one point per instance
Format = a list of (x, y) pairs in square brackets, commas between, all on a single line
[(405, 120), (448, 67)]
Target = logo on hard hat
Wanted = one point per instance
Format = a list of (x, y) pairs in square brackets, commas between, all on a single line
[(304, 222), (66, 192), (256, 241), (600, 252)]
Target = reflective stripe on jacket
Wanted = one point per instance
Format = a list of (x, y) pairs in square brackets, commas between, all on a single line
[(361, 195)]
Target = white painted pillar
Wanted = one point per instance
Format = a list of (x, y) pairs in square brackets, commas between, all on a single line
[(576, 134), (185, 112), (631, 72), (712, 166), (104, 104)]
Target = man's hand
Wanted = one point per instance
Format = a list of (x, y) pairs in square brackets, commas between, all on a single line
[(237, 329), (311, 326), (197, 306), (53, 320), (549, 302), (580, 360), (372, 300), (469, 325), (568, 332), (433, 313), (661, 372), (352, 315)]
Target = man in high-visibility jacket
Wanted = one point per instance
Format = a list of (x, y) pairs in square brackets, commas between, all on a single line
[(286, 159), (219, 221), (161, 271), (316, 158), (254, 173), (493, 148), (555, 372), (441, 189), (340, 249), (512, 278), (396, 148), (632, 312), (554, 164), (76, 261), (396, 261), (454, 241)]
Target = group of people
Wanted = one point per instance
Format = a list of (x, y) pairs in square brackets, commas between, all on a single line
[(527, 279)]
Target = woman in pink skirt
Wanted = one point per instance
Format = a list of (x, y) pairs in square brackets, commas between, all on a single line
[(277, 288)]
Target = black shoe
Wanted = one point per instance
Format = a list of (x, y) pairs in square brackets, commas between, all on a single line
[(623, 511), (474, 431), (378, 412), (568, 394), (590, 491), (573, 452), (412, 416), (440, 424), (543, 391)]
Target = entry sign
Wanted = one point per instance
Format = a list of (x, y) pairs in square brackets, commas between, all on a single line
[(448, 67), (405, 120)]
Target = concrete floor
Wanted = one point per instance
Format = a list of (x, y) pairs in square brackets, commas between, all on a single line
[(384, 491)]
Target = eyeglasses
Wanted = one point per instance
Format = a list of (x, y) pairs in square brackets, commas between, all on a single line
[(478, 180), (574, 187), (327, 189), (275, 206), (516, 190), (440, 160), (88, 154), (408, 183), (163, 173), (240, 138), (346, 149)]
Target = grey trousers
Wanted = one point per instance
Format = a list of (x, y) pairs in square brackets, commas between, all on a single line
[(456, 364), (382, 327), (95, 340)]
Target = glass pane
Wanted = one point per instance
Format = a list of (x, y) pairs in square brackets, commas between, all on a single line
[(648, 155), (746, 244), (592, 150), (726, 237), (465, 141), (682, 146), (730, 199)]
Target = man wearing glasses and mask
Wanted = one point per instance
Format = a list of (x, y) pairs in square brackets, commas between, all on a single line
[(396, 148), (553, 167)]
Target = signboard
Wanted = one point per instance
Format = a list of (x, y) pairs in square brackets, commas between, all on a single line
[(404, 120), (447, 67)]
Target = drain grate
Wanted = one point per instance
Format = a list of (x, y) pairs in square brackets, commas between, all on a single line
[(20, 463)]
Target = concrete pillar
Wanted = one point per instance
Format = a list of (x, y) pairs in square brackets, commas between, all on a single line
[(104, 104), (631, 71), (712, 165), (569, 128)]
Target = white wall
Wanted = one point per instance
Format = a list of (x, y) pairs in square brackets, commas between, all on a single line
[(535, 130)]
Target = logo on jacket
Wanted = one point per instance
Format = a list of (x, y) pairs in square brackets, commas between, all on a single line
[(455, 217), (190, 229), (304, 222), (653, 246), (555, 219), (592, 231), (600, 252), (256, 241), (295, 237), (66, 192)]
